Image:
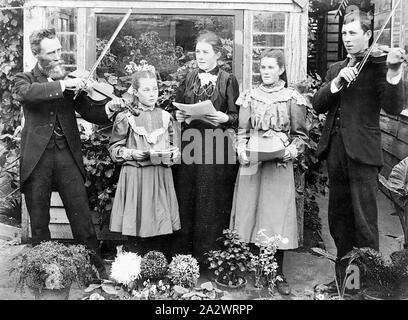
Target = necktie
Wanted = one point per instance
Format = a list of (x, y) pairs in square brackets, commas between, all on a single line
[(352, 61)]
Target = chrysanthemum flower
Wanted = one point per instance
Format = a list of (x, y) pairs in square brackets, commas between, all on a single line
[(126, 268)]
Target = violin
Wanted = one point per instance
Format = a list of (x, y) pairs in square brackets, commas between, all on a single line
[(380, 54), (376, 52), (99, 91)]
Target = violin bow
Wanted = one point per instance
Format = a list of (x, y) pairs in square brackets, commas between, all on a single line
[(105, 50), (370, 50)]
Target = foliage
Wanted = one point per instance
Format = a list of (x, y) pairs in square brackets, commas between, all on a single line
[(153, 291), (52, 265), (12, 209), (264, 263), (101, 173), (206, 291), (316, 180), (11, 62), (380, 275), (231, 263), (184, 271), (341, 287), (154, 265)]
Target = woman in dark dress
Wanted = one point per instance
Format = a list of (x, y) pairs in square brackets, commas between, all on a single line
[(204, 180)]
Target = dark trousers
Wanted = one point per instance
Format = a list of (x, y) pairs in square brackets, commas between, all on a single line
[(57, 169), (352, 200)]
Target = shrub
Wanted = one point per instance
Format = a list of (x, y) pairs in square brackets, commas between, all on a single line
[(231, 263), (184, 271), (154, 265), (52, 265)]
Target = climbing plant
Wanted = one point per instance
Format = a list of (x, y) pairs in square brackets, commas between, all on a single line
[(11, 62)]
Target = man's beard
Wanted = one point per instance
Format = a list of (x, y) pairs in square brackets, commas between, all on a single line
[(54, 69)]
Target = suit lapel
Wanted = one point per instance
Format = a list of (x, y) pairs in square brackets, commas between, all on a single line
[(342, 65)]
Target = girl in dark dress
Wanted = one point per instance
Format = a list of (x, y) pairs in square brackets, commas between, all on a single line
[(204, 180)]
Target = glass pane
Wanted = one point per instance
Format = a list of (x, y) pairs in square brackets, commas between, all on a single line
[(269, 22), (268, 40), (68, 42), (380, 20), (381, 5), (62, 19), (255, 66), (165, 41), (256, 79), (385, 38)]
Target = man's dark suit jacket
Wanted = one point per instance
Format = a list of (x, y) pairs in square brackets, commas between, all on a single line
[(43, 101), (360, 106)]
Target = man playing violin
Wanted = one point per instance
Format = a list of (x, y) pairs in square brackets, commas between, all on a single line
[(351, 138), (51, 157)]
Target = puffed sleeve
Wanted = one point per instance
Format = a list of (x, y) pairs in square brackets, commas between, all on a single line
[(232, 94), (298, 131), (120, 131), (244, 124)]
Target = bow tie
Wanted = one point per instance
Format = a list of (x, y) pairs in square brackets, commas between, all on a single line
[(213, 71)]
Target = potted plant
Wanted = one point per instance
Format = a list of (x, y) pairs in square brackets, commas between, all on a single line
[(382, 279), (154, 266), (230, 264), (126, 270), (341, 287), (50, 268), (184, 271), (263, 264)]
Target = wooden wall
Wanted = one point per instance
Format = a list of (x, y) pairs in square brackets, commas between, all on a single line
[(59, 225), (394, 134)]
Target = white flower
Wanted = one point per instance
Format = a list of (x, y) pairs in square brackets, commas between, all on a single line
[(133, 67), (126, 268), (319, 296), (54, 277), (207, 78), (153, 289)]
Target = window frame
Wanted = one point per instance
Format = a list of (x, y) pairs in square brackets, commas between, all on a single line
[(238, 30)]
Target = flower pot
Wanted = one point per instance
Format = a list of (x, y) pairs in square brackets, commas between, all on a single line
[(337, 297), (230, 288), (48, 294), (375, 295)]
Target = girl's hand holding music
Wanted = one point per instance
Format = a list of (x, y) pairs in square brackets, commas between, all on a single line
[(181, 116), (243, 158), (287, 156), (218, 117), (175, 156), (139, 155)]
